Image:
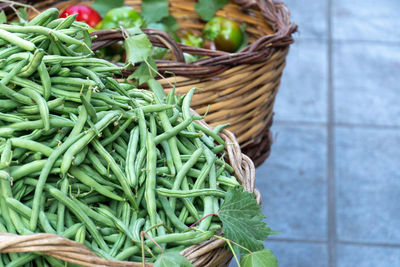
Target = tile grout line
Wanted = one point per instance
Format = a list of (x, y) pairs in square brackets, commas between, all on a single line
[(330, 150), (336, 124)]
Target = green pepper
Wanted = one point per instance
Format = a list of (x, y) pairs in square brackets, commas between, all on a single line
[(225, 33), (124, 16)]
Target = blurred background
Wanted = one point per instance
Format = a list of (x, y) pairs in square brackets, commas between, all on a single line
[(332, 183)]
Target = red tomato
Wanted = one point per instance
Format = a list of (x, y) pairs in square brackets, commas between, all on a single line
[(85, 13)]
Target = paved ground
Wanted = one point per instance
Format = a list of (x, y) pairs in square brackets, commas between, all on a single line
[(332, 183)]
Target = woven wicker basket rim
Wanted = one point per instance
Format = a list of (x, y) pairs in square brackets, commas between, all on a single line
[(275, 14)]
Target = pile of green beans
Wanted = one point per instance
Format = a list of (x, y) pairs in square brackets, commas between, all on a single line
[(96, 160)]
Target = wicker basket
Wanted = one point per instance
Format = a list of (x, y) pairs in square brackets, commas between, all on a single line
[(209, 253), (238, 88)]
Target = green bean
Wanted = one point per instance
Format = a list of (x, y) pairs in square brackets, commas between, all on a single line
[(171, 215), (66, 23), (190, 134), (32, 145), (45, 79), (96, 163), (5, 176), (10, 117), (7, 104), (152, 126), (174, 117), (182, 148), (43, 177), (18, 172), (90, 74), (210, 133), (117, 171), (99, 218), (47, 15), (14, 217), (55, 121), (121, 240), (171, 100), (118, 223), (71, 231), (38, 30), (72, 81), (114, 136), (6, 216), (9, 51), (60, 196), (87, 138), (76, 61), (6, 155), (131, 156), (33, 64), (35, 109), (61, 207), (196, 240), (22, 260), (174, 131), (80, 235), (88, 106), (168, 155), (15, 40), (190, 193), (183, 171), (87, 180), (4, 90), (151, 180), (139, 93)]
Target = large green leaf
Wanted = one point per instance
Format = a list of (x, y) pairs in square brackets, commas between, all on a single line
[(207, 8), (138, 48), (172, 259), (3, 17), (242, 220), (262, 258), (154, 10), (103, 6), (144, 72)]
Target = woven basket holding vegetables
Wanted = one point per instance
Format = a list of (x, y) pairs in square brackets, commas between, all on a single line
[(237, 86), (95, 171)]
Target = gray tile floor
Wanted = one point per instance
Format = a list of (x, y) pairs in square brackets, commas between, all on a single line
[(332, 183)]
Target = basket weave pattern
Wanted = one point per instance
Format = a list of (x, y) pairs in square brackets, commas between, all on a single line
[(236, 88), (209, 253)]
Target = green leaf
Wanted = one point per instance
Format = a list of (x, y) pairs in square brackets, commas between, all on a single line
[(170, 22), (144, 73), (262, 258), (103, 6), (242, 220), (154, 10), (3, 17), (207, 8), (138, 48), (23, 14), (172, 259)]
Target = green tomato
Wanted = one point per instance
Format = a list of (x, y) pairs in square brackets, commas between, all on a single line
[(224, 32), (124, 16)]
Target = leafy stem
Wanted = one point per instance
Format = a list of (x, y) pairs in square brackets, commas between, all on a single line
[(20, 4)]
